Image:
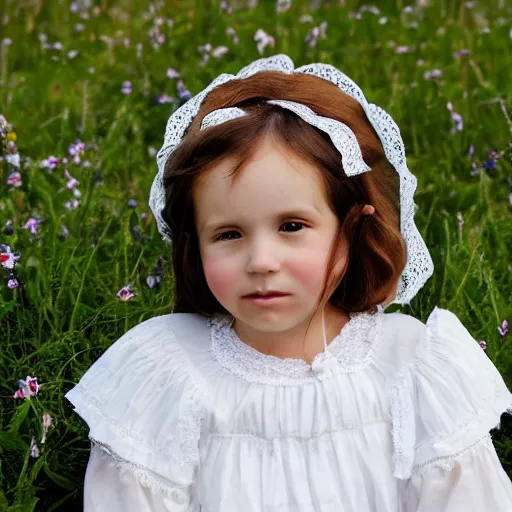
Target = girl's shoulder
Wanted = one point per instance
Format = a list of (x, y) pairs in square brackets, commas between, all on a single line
[(141, 400), (445, 396)]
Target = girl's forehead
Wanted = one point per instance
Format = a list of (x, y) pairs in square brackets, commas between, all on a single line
[(270, 183)]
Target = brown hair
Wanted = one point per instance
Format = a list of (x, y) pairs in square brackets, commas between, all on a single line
[(376, 250)]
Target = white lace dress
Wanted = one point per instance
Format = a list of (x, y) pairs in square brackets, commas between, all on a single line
[(394, 417)]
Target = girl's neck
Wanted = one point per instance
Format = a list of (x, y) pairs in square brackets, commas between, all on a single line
[(296, 343)]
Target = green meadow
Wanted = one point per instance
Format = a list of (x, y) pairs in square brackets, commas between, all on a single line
[(86, 89)]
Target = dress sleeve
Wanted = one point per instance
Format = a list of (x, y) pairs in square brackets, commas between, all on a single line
[(444, 404), (115, 485), (144, 414)]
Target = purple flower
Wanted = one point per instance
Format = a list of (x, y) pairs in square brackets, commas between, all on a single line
[(12, 282), (8, 259), (34, 450), (457, 118), (32, 224), (127, 87), (72, 182), (402, 49), (172, 73), (27, 388), (165, 98), (125, 293), (153, 280), (483, 344), (184, 94), (503, 329), (434, 73), (132, 204), (14, 179)]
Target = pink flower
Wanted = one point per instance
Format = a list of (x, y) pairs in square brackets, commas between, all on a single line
[(27, 388), (402, 49), (32, 224), (47, 423), (172, 73), (72, 182), (14, 179), (125, 293), (503, 329), (34, 450)]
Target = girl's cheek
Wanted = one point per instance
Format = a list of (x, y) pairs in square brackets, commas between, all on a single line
[(310, 273), (220, 278)]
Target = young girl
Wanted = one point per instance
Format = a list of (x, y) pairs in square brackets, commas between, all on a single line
[(278, 383)]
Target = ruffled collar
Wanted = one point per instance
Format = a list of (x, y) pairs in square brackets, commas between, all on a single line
[(351, 350)]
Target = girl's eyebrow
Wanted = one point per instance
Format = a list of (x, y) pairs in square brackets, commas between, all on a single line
[(301, 211)]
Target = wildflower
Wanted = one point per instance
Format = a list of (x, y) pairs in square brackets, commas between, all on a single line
[(315, 34), (12, 282), (13, 159), (64, 232), (165, 98), (263, 39), (184, 94), (402, 49), (72, 54), (32, 224), (435, 73), (172, 73), (127, 87), (483, 344), (461, 54), (11, 136), (47, 423), (50, 163), (8, 259), (34, 450), (230, 31), (14, 179), (132, 204), (503, 328), (125, 293), (153, 280), (457, 118), (220, 51), (72, 182), (383, 20), (27, 388), (72, 205)]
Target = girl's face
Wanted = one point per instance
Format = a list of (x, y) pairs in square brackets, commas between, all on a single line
[(271, 229)]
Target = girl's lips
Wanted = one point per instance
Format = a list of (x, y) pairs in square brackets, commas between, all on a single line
[(266, 299)]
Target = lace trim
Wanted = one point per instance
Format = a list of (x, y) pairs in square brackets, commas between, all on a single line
[(351, 350), (155, 483), (448, 463), (185, 441)]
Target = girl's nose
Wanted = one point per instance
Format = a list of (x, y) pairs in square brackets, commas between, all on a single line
[(263, 257)]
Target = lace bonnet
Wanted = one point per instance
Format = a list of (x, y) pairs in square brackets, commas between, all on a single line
[(419, 266)]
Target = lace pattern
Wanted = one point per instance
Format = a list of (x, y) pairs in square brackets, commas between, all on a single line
[(221, 115), (419, 266), (148, 479), (448, 463), (341, 135), (351, 350)]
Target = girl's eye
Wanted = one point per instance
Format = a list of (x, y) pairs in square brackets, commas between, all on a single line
[(224, 235)]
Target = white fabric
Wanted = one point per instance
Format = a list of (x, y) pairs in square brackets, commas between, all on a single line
[(419, 266), (185, 417)]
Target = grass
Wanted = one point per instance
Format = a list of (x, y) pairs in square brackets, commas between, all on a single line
[(65, 311)]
